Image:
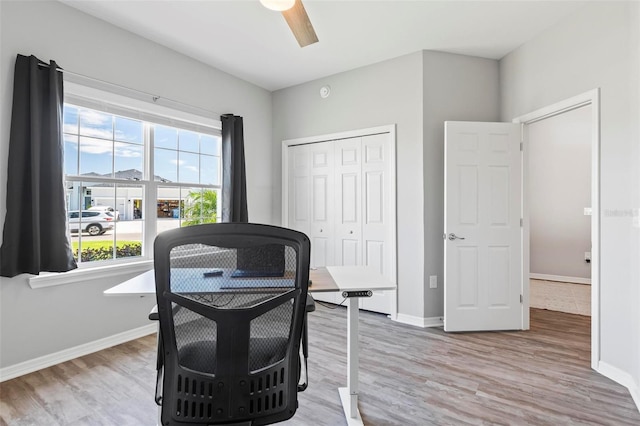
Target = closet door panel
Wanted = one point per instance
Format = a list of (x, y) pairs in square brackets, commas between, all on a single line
[(376, 214), (348, 214), (339, 195), (299, 181), (322, 205), (322, 189)]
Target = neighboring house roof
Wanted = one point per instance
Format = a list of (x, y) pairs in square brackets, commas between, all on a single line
[(131, 174)]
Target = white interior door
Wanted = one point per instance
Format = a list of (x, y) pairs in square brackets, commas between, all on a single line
[(483, 233), (340, 190), (322, 190), (376, 215), (299, 218), (322, 187), (348, 224), (310, 205)]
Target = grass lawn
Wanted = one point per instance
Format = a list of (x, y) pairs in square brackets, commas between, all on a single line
[(100, 244)]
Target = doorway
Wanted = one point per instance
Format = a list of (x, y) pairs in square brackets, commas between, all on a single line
[(559, 211), (586, 104)]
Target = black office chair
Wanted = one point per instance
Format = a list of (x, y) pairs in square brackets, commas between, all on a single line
[(231, 299)]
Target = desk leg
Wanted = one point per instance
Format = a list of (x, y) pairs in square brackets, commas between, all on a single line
[(349, 395)]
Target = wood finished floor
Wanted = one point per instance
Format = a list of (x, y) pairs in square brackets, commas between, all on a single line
[(408, 376)]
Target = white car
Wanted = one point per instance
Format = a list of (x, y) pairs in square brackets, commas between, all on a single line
[(115, 213), (93, 222)]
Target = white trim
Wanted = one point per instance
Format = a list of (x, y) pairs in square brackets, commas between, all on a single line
[(526, 241), (560, 278), (391, 129), (420, 321), (394, 221), (45, 361), (621, 377), (592, 98), (108, 100), (113, 269), (635, 394)]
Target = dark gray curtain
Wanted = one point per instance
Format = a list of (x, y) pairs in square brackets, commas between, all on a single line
[(35, 233), (234, 181)]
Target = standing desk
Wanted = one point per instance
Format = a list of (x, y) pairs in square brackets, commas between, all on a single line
[(331, 278)]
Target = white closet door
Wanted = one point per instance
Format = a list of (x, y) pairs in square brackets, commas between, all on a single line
[(299, 177), (311, 193), (341, 195), (321, 191), (376, 215), (348, 200)]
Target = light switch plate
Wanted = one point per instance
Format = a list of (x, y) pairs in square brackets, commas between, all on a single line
[(587, 211)]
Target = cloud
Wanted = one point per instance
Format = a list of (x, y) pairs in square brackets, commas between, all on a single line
[(101, 147), (70, 128), (127, 152), (95, 146), (97, 124), (94, 118), (122, 149)]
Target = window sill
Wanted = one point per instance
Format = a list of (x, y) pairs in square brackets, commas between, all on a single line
[(51, 279)]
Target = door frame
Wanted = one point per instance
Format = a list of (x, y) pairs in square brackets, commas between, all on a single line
[(391, 129), (591, 98)]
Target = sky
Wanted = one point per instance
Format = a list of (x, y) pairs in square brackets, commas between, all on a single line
[(101, 143)]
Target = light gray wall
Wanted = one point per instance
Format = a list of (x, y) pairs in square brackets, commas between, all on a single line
[(559, 190), (455, 88), (596, 47), (389, 92), (419, 92), (38, 322)]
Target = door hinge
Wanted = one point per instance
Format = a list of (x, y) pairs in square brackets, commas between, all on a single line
[(521, 222), (521, 146), (520, 298)]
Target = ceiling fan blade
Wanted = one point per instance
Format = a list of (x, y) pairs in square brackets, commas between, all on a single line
[(300, 25)]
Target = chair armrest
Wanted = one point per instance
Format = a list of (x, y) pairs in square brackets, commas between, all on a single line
[(153, 315)]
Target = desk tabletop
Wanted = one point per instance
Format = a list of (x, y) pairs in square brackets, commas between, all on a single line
[(332, 278)]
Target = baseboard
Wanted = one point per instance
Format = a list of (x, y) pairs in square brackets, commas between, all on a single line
[(420, 321), (635, 394), (561, 278), (623, 378), (45, 361)]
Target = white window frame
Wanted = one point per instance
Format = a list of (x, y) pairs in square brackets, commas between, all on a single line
[(108, 101)]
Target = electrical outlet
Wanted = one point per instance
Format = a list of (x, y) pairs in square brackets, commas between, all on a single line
[(587, 211), (433, 281)]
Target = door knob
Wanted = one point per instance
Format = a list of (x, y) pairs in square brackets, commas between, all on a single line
[(453, 236), (351, 232)]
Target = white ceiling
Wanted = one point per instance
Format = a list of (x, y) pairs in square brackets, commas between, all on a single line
[(243, 38)]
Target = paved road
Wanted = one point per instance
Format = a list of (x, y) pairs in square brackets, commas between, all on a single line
[(127, 230)]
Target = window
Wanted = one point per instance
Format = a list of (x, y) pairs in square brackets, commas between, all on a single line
[(129, 178)]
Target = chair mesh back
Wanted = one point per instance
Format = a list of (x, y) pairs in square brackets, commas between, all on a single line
[(231, 301)]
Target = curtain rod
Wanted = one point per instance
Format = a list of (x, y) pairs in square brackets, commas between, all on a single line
[(154, 98)]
